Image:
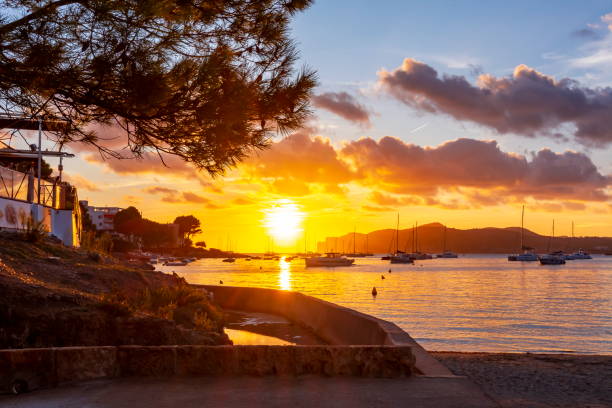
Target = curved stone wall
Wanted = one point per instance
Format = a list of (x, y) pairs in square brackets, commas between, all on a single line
[(335, 324)]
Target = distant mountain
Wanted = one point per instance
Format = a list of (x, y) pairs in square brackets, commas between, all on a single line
[(430, 238)]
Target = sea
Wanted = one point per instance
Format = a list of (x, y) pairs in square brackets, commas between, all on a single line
[(472, 303)]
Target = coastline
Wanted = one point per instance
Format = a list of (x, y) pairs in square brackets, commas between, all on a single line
[(513, 380)]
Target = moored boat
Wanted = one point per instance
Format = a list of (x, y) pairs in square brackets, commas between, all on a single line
[(175, 263), (447, 254), (528, 255), (401, 258), (581, 255), (332, 259), (552, 259)]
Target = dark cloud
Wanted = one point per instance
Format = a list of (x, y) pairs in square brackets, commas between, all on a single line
[(587, 33), (343, 105), (170, 195), (527, 103)]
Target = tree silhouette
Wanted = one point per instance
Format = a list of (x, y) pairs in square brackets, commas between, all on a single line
[(188, 225), (128, 221), (207, 81)]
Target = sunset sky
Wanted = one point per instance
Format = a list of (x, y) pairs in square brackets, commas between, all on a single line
[(455, 112)]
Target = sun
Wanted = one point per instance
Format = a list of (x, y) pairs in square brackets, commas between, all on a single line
[(283, 220)]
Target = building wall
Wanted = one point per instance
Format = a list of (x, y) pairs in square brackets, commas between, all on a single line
[(13, 214), (102, 217), (62, 224), (64, 227)]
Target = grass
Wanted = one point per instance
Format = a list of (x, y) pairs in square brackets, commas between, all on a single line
[(183, 304)]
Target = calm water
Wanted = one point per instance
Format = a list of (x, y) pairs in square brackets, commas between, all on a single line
[(473, 303)]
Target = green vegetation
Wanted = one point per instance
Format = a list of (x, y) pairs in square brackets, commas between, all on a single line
[(205, 81), (33, 230), (181, 303), (96, 242)]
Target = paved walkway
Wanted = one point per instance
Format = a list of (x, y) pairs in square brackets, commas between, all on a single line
[(264, 392)]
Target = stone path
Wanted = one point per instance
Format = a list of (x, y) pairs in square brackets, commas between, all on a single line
[(256, 392)]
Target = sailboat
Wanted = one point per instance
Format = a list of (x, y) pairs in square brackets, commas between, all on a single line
[(553, 258), (580, 254), (416, 254), (399, 257), (528, 255), (445, 253), (355, 254)]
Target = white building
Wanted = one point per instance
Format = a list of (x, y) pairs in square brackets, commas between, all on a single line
[(101, 217)]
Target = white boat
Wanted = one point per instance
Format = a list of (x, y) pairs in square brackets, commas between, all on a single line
[(153, 261), (175, 263), (331, 259), (420, 256), (552, 259), (528, 255), (581, 255), (447, 254), (401, 258)]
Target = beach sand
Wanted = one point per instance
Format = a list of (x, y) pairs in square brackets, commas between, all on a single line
[(520, 380)]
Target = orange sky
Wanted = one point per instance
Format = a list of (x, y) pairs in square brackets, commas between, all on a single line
[(305, 185)]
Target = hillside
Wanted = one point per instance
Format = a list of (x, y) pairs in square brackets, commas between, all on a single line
[(51, 295), (477, 240)]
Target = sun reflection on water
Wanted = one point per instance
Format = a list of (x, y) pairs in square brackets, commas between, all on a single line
[(284, 274)]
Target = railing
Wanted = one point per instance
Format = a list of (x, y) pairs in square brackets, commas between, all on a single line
[(24, 187), (13, 184)]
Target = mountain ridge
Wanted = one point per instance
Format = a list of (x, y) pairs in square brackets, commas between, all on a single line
[(430, 238)]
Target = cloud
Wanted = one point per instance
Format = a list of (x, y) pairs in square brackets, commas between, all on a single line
[(81, 182), (150, 163), (587, 33), (527, 103), (298, 164), (343, 105), (242, 201), (160, 190), (396, 167), (173, 196), (455, 174)]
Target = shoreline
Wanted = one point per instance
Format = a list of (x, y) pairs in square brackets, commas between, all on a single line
[(539, 380)]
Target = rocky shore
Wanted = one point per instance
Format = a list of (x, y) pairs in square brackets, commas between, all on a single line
[(51, 295), (521, 380)]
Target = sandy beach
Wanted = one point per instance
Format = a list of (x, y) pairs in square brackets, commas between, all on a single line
[(537, 380)]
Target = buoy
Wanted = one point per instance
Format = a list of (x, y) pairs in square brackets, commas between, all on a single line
[(389, 270), (374, 291), (260, 268), (382, 276), (220, 282)]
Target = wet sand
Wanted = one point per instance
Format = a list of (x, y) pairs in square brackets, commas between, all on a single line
[(537, 380)]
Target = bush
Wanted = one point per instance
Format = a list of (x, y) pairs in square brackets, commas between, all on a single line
[(94, 242), (183, 304), (33, 231)]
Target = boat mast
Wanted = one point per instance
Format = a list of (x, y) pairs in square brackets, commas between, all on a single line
[(444, 241), (397, 235), (354, 232), (522, 229), (416, 236)]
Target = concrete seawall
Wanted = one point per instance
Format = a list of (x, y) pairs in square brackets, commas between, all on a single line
[(49, 367), (335, 324)]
